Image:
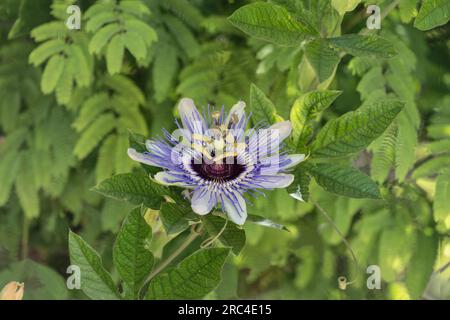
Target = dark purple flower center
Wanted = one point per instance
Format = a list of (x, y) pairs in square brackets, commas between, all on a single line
[(218, 171)]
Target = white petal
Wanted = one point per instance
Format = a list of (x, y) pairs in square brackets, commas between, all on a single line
[(203, 201), (140, 157), (295, 159), (190, 117), (238, 109), (284, 129), (235, 207), (281, 180), (166, 178)]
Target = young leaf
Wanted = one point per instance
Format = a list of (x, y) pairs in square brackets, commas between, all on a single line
[(193, 278), (355, 130), (262, 108), (362, 46), (135, 188), (253, 218), (304, 109), (52, 72), (346, 181), (322, 58), (175, 218), (96, 282), (26, 188), (432, 13), (131, 257), (233, 236), (270, 22), (114, 55)]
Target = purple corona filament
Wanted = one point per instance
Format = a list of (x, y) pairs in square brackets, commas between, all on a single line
[(218, 160)]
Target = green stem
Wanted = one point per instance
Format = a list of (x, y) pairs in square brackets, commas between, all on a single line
[(25, 237), (172, 256)]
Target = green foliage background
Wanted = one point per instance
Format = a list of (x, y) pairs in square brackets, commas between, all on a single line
[(69, 99)]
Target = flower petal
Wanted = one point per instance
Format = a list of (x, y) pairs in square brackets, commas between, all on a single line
[(284, 129), (172, 179), (141, 157), (281, 180), (190, 117), (203, 201), (235, 207)]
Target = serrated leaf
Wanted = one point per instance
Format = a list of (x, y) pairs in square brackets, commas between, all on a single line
[(232, 236), (114, 55), (432, 13), (355, 130), (263, 110), (421, 265), (270, 22), (322, 58), (193, 278), (343, 180), (131, 257), (96, 282), (363, 46), (175, 218), (304, 109), (135, 188)]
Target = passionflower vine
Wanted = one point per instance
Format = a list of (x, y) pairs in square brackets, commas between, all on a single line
[(218, 160)]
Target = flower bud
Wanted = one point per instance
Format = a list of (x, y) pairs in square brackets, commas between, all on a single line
[(12, 291)]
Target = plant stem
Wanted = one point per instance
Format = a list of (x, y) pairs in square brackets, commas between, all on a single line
[(172, 256), (25, 237)]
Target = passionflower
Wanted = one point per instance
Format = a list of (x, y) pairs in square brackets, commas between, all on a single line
[(218, 160)]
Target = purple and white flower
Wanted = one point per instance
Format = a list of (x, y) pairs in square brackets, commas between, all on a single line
[(218, 160)]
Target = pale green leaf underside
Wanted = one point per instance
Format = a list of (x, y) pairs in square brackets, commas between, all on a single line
[(433, 13)]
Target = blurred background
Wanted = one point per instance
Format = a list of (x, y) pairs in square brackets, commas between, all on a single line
[(68, 100)]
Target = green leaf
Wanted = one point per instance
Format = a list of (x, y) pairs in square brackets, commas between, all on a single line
[(253, 218), (46, 50), (164, 70), (101, 37), (432, 13), (304, 109), (96, 282), (135, 44), (93, 134), (52, 72), (263, 110), (363, 46), (175, 218), (9, 167), (105, 167), (343, 6), (421, 265), (233, 236), (355, 130), (441, 206), (299, 188), (194, 277), (135, 188), (114, 55), (346, 181), (131, 256), (322, 58), (270, 22), (26, 188)]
